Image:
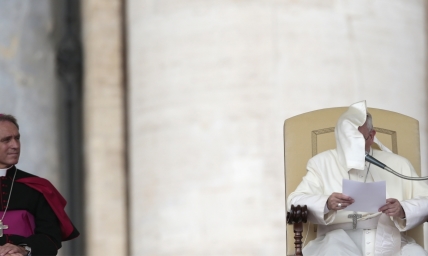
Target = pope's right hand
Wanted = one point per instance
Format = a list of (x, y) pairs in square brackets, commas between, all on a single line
[(338, 201)]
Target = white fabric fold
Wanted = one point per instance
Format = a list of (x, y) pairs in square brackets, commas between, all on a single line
[(350, 142), (381, 146)]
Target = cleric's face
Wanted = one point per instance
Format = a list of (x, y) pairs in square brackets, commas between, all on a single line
[(367, 134), (10, 145)]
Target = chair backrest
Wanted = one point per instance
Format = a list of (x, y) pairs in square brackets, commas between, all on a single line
[(310, 133)]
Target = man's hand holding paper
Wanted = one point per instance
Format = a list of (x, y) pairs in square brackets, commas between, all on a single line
[(393, 208), (338, 201)]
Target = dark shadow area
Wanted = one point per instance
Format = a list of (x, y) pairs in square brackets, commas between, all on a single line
[(69, 58)]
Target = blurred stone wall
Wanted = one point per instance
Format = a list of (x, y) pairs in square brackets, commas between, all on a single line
[(28, 87)]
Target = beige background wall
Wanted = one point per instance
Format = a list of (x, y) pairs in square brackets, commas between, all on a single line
[(211, 83)]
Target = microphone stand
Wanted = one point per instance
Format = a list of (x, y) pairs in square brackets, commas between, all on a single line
[(378, 163)]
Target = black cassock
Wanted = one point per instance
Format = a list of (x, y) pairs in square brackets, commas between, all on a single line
[(46, 235)]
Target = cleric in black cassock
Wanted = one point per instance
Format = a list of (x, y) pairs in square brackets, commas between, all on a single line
[(32, 216)]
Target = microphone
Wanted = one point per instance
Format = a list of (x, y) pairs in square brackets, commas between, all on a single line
[(374, 161), (378, 163)]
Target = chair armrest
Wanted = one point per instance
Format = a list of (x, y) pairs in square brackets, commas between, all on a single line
[(297, 216)]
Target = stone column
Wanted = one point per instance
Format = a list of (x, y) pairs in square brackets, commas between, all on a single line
[(106, 208)]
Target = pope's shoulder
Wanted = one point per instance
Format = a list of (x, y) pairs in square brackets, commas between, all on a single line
[(325, 156), (390, 158)]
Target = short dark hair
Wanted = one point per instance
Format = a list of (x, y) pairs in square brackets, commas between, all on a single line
[(9, 118)]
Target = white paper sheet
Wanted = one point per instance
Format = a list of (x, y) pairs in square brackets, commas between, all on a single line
[(368, 197)]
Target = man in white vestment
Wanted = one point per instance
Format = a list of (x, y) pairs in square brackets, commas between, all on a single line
[(376, 233)]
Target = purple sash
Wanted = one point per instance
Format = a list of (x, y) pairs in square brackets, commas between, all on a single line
[(19, 222)]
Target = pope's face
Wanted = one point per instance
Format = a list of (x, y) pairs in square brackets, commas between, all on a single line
[(368, 135), (10, 145)]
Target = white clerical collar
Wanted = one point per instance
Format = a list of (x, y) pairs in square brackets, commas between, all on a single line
[(3, 172)]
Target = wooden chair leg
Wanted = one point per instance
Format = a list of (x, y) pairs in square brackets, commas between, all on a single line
[(298, 230), (297, 216)]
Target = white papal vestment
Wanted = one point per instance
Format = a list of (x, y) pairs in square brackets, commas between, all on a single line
[(324, 176)]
